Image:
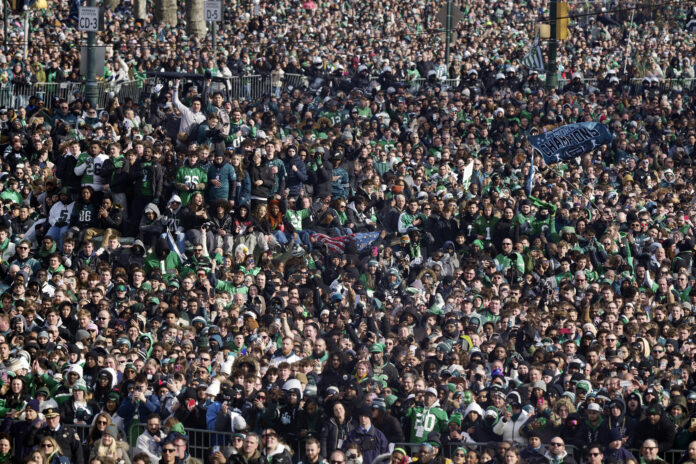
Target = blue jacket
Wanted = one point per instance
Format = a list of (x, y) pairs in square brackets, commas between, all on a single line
[(340, 187), (127, 409), (294, 180), (372, 443), (227, 177), (243, 195), (617, 456)]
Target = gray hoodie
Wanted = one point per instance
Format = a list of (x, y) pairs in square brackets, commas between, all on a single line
[(152, 227)]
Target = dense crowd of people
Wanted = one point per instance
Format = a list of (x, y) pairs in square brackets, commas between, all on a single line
[(364, 265)]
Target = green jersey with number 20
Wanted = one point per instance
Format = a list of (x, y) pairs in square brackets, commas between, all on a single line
[(425, 420)]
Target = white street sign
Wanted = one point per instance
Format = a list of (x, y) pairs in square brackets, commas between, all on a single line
[(89, 18), (212, 11)]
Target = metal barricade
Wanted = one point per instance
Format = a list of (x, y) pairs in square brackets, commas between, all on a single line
[(200, 441), (416, 84), (448, 449), (134, 431), (251, 88), (6, 95), (294, 81), (103, 90), (131, 89), (16, 95), (82, 431), (672, 456)]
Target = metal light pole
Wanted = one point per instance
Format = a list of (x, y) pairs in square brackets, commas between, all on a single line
[(213, 31), (630, 33), (448, 35), (25, 26), (6, 15), (91, 89), (551, 74)]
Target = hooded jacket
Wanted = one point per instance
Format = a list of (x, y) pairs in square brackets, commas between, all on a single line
[(511, 430), (129, 258), (227, 176), (482, 431), (294, 180), (679, 421), (663, 432), (588, 433), (624, 423), (154, 226), (100, 393), (171, 220)]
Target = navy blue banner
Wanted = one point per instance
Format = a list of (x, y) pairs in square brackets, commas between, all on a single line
[(569, 141)]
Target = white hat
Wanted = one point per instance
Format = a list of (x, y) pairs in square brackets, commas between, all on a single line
[(213, 389), (76, 368), (18, 364)]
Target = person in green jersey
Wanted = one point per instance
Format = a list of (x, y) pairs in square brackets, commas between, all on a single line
[(191, 178), (89, 167), (425, 417), (147, 181)]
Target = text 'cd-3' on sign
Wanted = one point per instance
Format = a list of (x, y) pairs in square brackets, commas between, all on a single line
[(88, 19)]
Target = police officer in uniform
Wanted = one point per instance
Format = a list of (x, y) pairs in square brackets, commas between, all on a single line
[(68, 440)]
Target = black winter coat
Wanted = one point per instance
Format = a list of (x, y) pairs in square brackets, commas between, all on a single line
[(333, 436), (156, 176), (263, 173), (322, 179), (663, 432), (65, 171)]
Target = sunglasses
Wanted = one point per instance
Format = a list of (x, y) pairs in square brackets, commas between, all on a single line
[(168, 450), (46, 445), (459, 455)]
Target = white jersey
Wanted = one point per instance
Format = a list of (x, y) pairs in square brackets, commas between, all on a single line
[(90, 169)]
